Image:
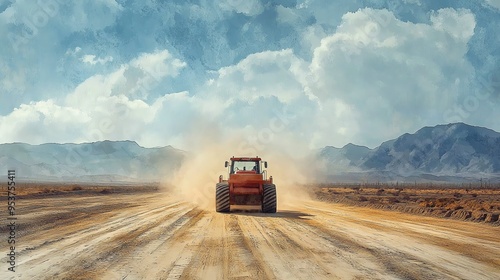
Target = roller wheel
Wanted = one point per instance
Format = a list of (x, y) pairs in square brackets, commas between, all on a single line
[(222, 197), (269, 199)]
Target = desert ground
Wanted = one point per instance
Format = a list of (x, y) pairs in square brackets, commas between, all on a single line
[(479, 203), (132, 232)]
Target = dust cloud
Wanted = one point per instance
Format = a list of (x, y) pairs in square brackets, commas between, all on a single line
[(209, 146), (195, 180), (290, 174)]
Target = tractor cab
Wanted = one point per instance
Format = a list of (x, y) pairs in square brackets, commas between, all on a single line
[(246, 165), (247, 185)]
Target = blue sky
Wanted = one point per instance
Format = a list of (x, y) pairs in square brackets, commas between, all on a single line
[(286, 73)]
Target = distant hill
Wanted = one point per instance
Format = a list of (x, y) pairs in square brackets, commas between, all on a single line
[(101, 161), (450, 153), (347, 158), (443, 152)]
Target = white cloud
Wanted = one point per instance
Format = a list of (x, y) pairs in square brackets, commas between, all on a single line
[(99, 108), (246, 7), (95, 88), (92, 60), (395, 76), (133, 80), (417, 2), (158, 64), (287, 15), (265, 100), (370, 79), (458, 23), (312, 36), (12, 81), (277, 73), (116, 101), (494, 3), (74, 51), (42, 122)]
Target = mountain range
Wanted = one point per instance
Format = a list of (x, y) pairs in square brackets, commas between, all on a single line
[(98, 161), (453, 152), (442, 153)]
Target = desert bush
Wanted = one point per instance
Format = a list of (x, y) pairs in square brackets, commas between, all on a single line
[(427, 203), (392, 200), (396, 193)]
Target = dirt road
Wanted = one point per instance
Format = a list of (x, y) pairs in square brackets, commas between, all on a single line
[(153, 236)]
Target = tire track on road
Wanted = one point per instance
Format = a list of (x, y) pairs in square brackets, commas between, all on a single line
[(399, 251), (88, 246), (162, 238), (150, 259)]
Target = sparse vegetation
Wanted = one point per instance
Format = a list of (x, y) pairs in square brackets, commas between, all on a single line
[(47, 189), (473, 202)]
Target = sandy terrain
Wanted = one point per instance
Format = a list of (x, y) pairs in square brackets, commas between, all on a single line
[(478, 204), (102, 233)]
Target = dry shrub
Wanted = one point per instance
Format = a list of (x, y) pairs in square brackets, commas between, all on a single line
[(457, 195), (392, 200)]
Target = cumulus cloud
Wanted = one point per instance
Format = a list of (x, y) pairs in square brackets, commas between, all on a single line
[(158, 64), (36, 36), (395, 76), (364, 78), (42, 122), (271, 73), (99, 108), (93, 60), (287, 15), (311, 37), (264, 99), (458, 23)]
